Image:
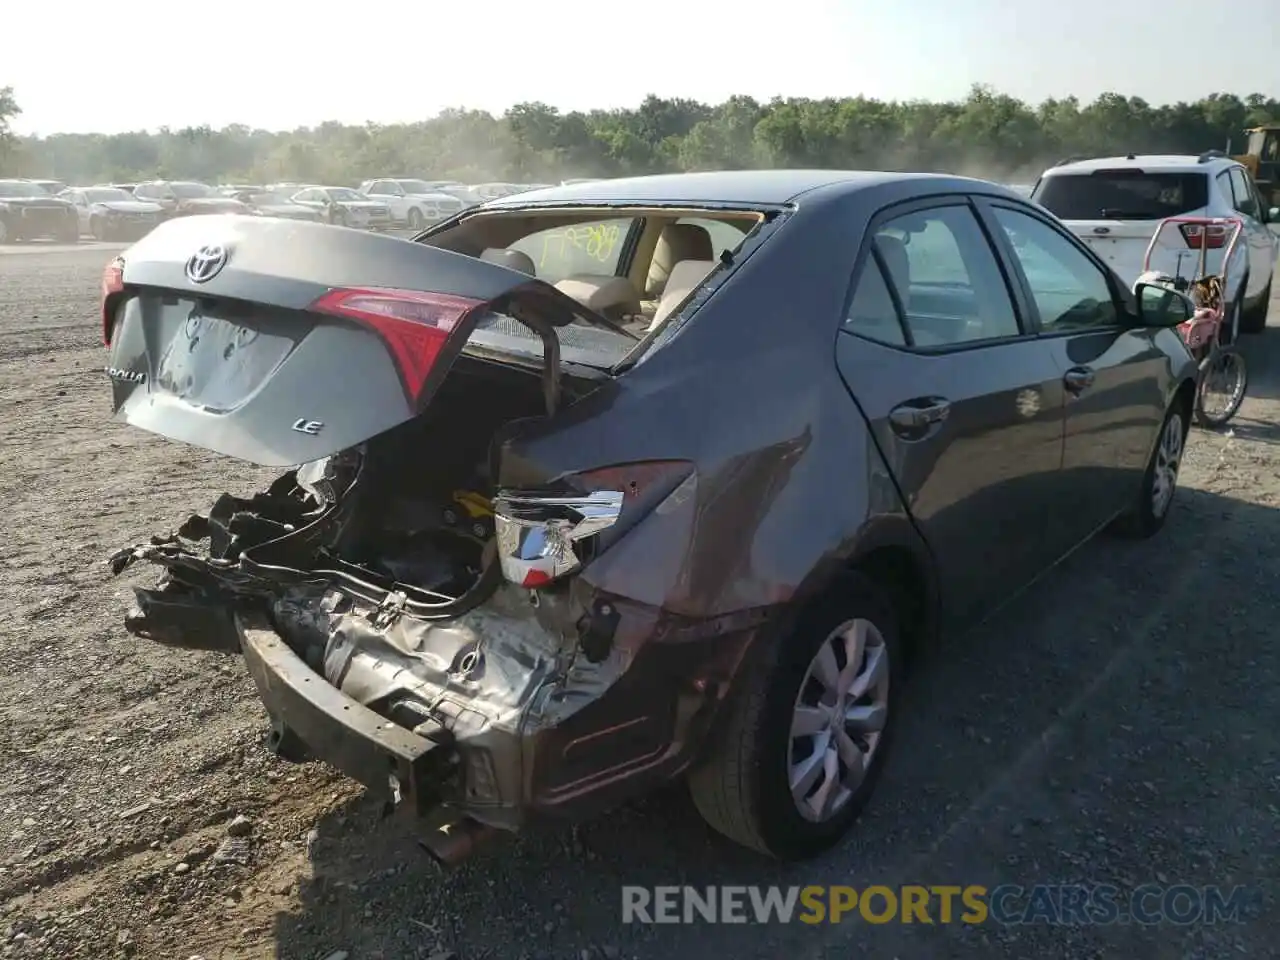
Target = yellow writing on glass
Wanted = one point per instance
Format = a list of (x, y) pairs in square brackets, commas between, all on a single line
[(597, 240)]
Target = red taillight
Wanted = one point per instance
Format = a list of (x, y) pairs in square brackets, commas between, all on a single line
[(1210, 237), (112, 283), (414, 325)]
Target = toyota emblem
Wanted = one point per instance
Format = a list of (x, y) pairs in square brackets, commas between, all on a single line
[(206, 263)]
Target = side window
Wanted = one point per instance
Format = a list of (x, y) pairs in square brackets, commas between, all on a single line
[(1069, 290), (594, 247), (1243, 194), (724, 235), (143, 191), (946, 276), (1224, 187), (307, 196), (872, 313)]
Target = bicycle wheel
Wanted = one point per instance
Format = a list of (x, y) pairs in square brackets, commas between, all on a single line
[(1223, 381)]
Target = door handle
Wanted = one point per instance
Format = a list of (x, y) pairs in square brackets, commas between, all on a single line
[(1078, 379), (916, 415)]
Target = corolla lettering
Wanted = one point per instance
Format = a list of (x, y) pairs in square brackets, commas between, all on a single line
[(126, 376)]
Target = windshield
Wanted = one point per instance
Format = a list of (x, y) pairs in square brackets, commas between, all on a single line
[(344, 195), (191, 191), (1122, 194), (106, 195), (21, 188)]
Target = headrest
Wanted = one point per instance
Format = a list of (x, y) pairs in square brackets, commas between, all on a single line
[(601, 293), (511, 259), (678, 241)]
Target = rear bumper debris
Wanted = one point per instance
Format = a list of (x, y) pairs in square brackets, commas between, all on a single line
[(393, 763), (524, 704)]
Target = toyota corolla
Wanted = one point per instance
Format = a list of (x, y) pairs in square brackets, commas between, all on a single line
[(609, 483)]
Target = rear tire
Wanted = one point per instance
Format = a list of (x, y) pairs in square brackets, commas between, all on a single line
[(1255, 319), (743, 786), (97, 229), (1148, 514)]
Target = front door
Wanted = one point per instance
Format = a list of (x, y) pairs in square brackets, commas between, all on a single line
[(1111, 372), (965, 408)]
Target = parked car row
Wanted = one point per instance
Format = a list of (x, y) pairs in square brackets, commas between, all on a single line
[(34, 209)]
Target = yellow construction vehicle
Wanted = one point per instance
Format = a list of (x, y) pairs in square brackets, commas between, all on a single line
[(1262, 157)]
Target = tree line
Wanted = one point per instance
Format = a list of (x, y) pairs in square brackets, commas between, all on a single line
[(987, 134)]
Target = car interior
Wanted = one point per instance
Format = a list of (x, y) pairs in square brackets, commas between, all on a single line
[(636, 283)]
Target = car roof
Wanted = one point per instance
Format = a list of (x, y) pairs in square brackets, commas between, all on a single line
[(749, 187), (1166, 162)]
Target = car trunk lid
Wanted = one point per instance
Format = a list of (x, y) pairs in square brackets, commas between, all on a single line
[(281, 342)]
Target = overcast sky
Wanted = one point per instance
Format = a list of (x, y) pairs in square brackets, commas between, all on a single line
[(280, 63)]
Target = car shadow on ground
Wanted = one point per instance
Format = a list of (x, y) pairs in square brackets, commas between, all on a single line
[(977, 707)]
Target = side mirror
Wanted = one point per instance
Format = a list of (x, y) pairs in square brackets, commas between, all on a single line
[(1158, 306)]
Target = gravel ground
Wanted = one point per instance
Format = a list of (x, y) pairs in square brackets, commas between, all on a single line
[(1117, 724)]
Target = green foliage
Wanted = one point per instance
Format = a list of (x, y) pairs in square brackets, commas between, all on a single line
[(8, 110), (987, 134)]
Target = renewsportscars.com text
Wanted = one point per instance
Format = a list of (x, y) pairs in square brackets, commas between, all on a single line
[(1007, 904)]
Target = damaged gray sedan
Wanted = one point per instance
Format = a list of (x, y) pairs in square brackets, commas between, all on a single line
[(599, 485)]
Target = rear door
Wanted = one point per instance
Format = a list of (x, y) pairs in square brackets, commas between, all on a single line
[(965, 407), (1115, 213), (1112, 373)]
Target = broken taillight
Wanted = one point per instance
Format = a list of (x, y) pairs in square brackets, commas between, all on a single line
[(1210, 237), (414, 325), (538, 533), (543, 536), (112, 284)]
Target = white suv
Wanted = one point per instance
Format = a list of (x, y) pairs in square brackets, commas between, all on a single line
[(414, 203), (1114, 203)]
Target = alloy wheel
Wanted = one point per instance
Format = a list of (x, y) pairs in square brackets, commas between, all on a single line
[(838, 719), (1168, 460)]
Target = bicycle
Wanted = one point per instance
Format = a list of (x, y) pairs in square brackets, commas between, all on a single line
[(1220, 362)]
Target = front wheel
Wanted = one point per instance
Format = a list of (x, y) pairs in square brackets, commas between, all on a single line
[(1159, 481), (808, 728), (1224, 377), (416, 220)]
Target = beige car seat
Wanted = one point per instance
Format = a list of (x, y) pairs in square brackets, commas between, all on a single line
[(677, 242), (686, 276)]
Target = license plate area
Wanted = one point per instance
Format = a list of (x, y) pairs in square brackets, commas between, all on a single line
[(215, 358)]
